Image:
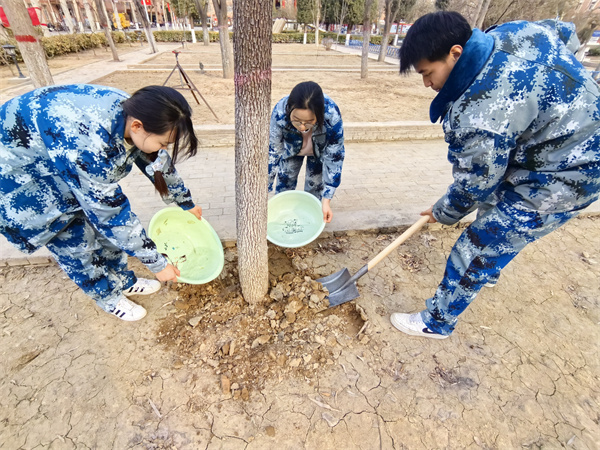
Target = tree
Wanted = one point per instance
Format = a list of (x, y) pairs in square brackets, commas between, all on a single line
[(226, 50), (145, 22), (202, 9), (364, 62), (29, 45), (252, 107), (392, 9), (104, 24)]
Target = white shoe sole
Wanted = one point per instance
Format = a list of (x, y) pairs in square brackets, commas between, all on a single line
[(146, 291), (400, 327)]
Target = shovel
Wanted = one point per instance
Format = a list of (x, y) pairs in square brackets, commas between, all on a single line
[(342, 287)]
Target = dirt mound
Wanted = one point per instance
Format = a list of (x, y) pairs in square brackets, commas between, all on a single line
[(293, 333)]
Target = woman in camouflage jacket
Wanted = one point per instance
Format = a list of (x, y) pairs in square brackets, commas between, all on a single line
[(63, 150)]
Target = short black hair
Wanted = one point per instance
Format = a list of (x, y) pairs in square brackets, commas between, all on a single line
[(307, 95), (432, 36)]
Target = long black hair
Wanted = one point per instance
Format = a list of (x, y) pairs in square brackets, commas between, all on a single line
[(162, 109), (307, 95)]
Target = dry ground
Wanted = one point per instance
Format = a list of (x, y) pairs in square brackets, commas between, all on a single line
[(204, 370)]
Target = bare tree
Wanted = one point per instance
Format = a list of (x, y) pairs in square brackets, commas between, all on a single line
[(341, 17), (28, 42), (316, 14), (364, 62), (145, 23), (104, 24), (226, 50), (252, 108), (202, 8)]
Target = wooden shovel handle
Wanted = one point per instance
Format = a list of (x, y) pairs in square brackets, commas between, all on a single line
[(399, 240)]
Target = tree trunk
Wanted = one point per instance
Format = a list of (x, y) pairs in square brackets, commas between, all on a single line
[(386, 31), (146, 25), (90, 16), (78, 16), (67, 15), (226, 50), (317, 19), (482, 14), (252, 111), (103, 16), (203, 12), (36, 4), (29, 45), (364, 61)]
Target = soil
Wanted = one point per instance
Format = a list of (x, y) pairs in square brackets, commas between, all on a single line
[(205, 370), (359, 99)]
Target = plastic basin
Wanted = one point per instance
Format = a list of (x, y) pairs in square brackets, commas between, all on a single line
[(295, 218), (190, 244)]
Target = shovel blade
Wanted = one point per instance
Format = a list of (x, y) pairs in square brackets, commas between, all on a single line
[(335, 281), (344, 295)]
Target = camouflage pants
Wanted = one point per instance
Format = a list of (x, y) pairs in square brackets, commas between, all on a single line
[(288, 170), (96, 265), (480, 253)]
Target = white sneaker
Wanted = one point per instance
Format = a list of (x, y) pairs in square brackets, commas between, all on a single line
[(489, 285), (143, 286), (413, 324), (126, 310)]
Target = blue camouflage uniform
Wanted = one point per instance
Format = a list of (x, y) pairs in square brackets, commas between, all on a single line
[(62, 155), (522, 119), (324, 169)]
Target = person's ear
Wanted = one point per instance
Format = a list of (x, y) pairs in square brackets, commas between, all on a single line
[(456, 52), (137, 126)]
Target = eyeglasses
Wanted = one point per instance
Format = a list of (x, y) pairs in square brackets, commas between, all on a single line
[(307, 125)]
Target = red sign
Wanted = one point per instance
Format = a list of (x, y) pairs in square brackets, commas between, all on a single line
[(3, 18), (35, 21), (147, 2)]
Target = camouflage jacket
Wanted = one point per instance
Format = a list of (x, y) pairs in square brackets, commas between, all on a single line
[(62, 152), (522, 119), (328, 144)]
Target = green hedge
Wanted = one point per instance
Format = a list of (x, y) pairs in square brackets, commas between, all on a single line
[(71, 43), (594, 51)]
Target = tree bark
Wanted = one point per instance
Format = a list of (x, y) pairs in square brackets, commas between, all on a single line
[(226, 50), (252, 111), (90, 16), (482, 14), (67, 14), (146, 24), (103, 16), (390, 18), (317, 13), (364, 61), (202, 7), (28, 42)]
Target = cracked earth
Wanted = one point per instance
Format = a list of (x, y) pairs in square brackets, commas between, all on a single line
[(205, 371)]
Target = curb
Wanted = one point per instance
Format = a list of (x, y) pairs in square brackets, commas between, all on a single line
[(224, 135)]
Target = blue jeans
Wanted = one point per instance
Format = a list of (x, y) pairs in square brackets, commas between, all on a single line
[(96, 265), (480, 253)]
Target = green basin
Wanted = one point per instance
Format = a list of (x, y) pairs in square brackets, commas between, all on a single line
[(190, 244), (295, 218)]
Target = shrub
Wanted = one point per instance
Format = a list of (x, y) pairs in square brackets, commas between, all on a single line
[(594, 51)]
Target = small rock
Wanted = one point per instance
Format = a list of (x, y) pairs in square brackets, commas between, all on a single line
[(270, 431), (277, 292), (293, 307), (271, 314), (290, 317), (364, 340), (307, 358), (331, 341), (225, 385), (314, 298), (261, 340), (320, 339), (274, 324), (295, 362), (235, 386), (231, 348), (281, 359), (225, 348), (194, 321), (245, 394)]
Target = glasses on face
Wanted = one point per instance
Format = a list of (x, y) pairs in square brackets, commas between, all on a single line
[(306, 125)]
